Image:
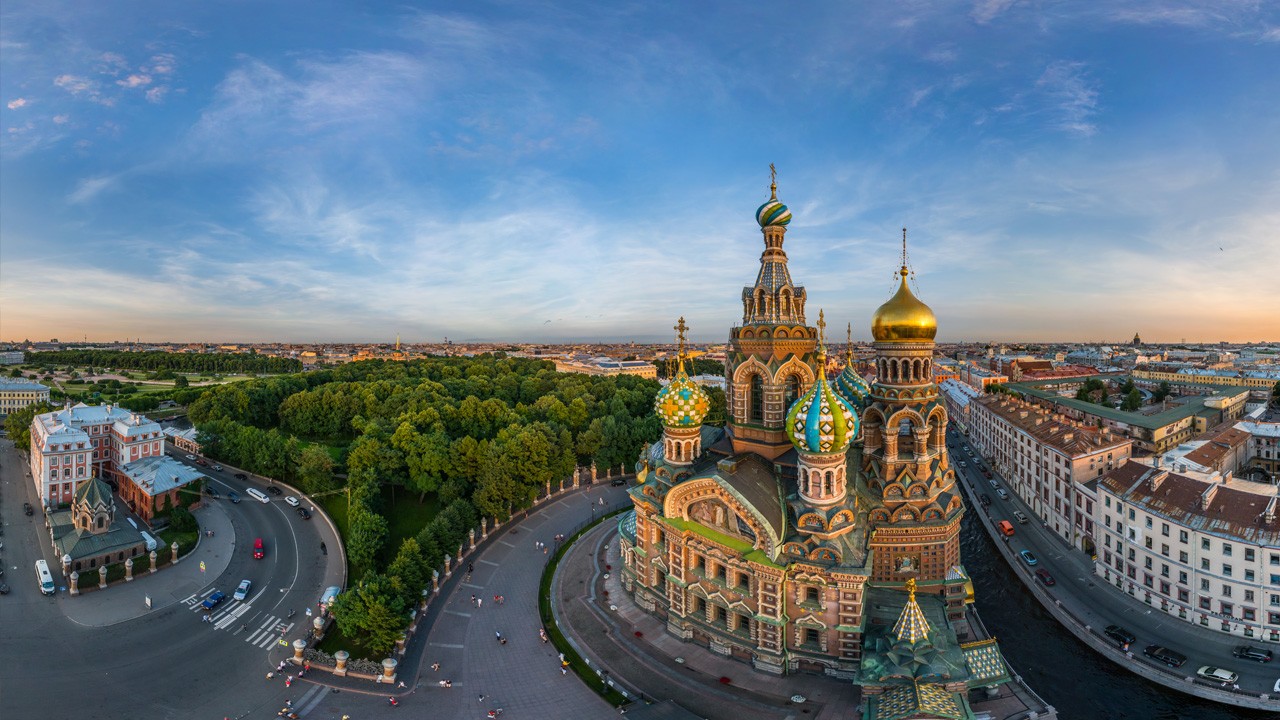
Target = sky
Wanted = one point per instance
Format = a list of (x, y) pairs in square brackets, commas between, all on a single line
[(353, 171)]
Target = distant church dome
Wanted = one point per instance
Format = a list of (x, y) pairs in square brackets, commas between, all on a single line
[(852, 387), (904, 318), (821, 421)]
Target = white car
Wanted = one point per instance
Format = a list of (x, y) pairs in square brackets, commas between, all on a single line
[(191, 457), (242, 592), (293, 501)]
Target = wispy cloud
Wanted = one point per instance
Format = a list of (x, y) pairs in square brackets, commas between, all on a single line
[(90, 188), (1073, 95), (135, 80), (984, 11), (17, 103)]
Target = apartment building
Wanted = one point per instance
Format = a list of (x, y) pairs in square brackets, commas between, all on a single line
[(17, 394), (1204, 549), (1047, 460), (71, 445)]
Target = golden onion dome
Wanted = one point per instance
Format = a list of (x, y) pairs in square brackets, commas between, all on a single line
[(904, 318)]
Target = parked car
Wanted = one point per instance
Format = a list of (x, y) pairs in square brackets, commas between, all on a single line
[(293, 501), (213, 491), (1003, 495), (191, 457), (242, 592), (1017, 515), (984, 499), (202, 462), (26, 509), (1217, 674), (1162, 654), (273, 490), (1045, 578), (994, 484), (212, 601), (304, 513), (1120, 635), (1249, 652), (1028, 557), (218, 468), (963, 464), (233, 497), (1006, 528), (241, 476), (618, 482)]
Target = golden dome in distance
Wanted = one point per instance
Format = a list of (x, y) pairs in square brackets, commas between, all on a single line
[(904, 318)]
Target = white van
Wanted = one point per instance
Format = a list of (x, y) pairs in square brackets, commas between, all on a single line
[(258, 494), (46, 579), (151, 542)]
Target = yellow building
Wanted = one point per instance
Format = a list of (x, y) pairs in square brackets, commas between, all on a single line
[(17, 394)]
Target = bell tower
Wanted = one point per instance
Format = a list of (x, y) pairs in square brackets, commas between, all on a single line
[(769, 363)]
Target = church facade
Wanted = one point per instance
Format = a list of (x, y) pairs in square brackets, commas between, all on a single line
[(796, 537)]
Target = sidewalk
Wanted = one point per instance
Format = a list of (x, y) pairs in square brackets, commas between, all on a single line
[(665, 667), (123, 601)]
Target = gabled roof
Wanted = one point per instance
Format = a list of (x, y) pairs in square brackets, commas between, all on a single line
[(750, 477)]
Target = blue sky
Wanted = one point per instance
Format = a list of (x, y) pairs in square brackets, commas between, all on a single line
[(341, 171)]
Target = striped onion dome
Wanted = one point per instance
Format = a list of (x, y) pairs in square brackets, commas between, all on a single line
[(821, 421), (773, 213), (852, 387)]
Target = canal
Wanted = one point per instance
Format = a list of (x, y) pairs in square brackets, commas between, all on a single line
[(1077, 681)]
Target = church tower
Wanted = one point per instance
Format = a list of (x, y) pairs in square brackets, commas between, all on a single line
[(769, 363), (681, 405), (917, 531)]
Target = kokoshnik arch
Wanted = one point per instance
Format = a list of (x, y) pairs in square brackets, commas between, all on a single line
[(798, 537)]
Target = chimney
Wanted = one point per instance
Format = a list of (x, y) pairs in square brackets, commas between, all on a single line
[(1156, 479), (1225, 477), (1206, 498), (1269, 515)]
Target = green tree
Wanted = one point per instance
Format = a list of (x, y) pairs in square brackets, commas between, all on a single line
[(410, 567), (366, 533), (18, 424), (373, 611), (1132, 401), (1162, 392), (181, 381), (718, 413), (315, 469)]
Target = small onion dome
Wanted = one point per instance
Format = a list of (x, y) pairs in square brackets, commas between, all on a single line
[(852, 387), (821, 421), (904, 318), (682, 403), (773, 213)]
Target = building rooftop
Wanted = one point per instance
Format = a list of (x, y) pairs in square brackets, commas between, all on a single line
[(159, 474), (1050, 428), (1180, 411), (1232, 509), (21, 386)]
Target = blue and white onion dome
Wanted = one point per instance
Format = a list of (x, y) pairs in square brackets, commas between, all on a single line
[(773, 213), (682, 403), (852, 387), (821, 421)]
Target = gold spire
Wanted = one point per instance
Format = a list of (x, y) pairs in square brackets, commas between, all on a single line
[(680, 329), (912, 626), (822, 341), (773, 182), (848, 344)]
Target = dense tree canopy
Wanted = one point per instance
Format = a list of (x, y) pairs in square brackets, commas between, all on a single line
[(156, 360)]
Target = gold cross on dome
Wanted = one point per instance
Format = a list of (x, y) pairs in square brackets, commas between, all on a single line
[(822, 327), (773, 182), (680, 329), (848, 343)]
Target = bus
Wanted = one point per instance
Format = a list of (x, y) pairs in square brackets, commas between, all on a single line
[(261, 496), (46, 580)]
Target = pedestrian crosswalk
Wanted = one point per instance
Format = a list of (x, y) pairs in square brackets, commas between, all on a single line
[(256, 628)]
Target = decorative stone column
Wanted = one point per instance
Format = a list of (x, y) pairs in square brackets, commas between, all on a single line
[(317, 625), (128, 570), (75, 583), (298, 646), (472, 536), (548, 489), (388, 671), (341, 657), (484, 528), (154, 558), (576, 474), (66, 564), (593, 472), (447, 571), (174, 548), (435, 582), (102, 577), (460, 546)]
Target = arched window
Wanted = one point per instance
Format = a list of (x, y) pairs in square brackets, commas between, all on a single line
[(826, 486), (792, 391), (757, 399)]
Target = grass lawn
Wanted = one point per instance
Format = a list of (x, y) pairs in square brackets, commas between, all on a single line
[(334, 641), (405, 517)]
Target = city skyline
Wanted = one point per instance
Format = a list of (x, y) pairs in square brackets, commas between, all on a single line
[(590, 173)]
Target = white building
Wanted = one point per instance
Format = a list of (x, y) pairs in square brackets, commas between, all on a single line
[(17, 394), (1047, 460), (1203, 549), (11, 357), (70, 445)]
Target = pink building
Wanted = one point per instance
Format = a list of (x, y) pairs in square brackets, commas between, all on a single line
[(71, 445)]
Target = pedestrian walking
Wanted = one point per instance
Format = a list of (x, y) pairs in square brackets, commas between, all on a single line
[(435, 666), (497, 599), (401, 685), (544, 550), (481, 698), (473, 598), (470, 568), (478, 601)]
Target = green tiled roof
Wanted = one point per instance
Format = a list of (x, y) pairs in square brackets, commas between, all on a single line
[(1194, 406)]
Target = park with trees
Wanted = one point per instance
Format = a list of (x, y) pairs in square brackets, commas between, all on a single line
[(408, 456)]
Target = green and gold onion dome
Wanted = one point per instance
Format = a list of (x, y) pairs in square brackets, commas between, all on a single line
[(682, 403), (821, 421), (852, 387), (773, 213), (904, 318)]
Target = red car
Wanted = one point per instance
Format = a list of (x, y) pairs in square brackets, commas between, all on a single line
[(1045, 578)]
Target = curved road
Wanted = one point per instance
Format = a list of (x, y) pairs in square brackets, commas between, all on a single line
[(104, 655)]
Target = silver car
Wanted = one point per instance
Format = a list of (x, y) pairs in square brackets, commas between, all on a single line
[(242, 592)]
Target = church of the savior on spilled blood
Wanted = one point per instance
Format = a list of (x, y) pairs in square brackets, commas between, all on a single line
[(820, 530)]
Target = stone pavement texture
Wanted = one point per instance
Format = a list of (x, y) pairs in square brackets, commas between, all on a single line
[(123, 601), (648, 663)]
